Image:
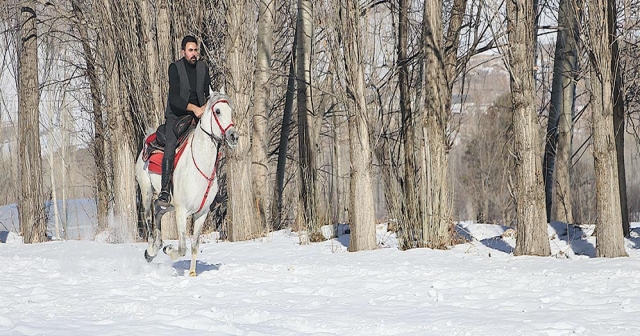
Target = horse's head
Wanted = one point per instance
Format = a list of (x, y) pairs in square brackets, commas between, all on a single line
[(217, 120)]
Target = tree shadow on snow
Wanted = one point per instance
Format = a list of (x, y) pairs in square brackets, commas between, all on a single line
[(344, 239), (576, 237), (3, 236), (634, 237), (496, 243), (182, 266), (464, 233)]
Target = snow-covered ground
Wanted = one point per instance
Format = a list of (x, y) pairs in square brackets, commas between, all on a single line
[(274, 286)]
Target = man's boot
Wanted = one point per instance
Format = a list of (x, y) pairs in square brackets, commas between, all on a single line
[(164, 198)]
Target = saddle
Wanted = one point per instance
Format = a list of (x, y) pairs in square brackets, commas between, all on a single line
[(153, 150)]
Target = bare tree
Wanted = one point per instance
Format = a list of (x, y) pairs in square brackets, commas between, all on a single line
[(618, 113), (242, 223), (532, 236), (259, 146), (558, 140), (306, 122), (410, 223), (124, 226), (361, 209), (284, 140), (148, 39), (439, 70), (33, 223), (99, 145), (610, 242), (165, 44)]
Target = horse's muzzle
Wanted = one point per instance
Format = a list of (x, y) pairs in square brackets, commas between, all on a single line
[(231, 136)]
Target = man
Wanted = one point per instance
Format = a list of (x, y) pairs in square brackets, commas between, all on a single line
[(189, 84)]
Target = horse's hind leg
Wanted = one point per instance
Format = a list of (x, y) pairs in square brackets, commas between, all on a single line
[(195, 242), (181, 222), (154, 235)]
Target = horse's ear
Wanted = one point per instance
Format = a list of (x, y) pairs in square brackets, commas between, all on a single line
[(210, 91), (222, 90)]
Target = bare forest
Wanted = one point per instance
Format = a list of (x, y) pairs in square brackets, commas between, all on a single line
[(419, 114)]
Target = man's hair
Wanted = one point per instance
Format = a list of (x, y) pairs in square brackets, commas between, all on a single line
[(188, 39)]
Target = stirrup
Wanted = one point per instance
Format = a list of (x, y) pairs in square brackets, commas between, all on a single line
[(163, 204)]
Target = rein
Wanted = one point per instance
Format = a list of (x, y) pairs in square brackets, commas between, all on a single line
[(219, 142)]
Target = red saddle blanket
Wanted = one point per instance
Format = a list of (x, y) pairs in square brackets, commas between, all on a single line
[(155, 159)]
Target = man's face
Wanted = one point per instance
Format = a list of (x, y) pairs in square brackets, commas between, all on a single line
[(190, 52)]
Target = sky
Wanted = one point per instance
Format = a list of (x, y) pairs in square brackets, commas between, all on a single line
[(274, 286)]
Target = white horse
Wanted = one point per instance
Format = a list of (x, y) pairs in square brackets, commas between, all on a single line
[(195, 181)]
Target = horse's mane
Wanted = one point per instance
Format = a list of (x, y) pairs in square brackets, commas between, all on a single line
[(215, 96)]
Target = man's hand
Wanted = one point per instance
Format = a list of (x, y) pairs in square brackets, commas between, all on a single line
[(198, 111)]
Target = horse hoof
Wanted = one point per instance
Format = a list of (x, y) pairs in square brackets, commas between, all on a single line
[(166, 249), (147, 256), (192, 274)]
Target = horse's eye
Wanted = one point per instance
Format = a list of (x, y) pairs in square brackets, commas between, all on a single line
[(218, 111)]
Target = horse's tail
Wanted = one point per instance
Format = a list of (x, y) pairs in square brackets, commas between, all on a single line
[(146, 149)]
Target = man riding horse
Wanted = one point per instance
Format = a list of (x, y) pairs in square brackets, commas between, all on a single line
[(189, 84)]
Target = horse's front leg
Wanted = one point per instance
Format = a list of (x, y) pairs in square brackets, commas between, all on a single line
[(195, 242), (181, 223)]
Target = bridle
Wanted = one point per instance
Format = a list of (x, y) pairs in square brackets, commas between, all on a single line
[(223, 130), (220, 142)]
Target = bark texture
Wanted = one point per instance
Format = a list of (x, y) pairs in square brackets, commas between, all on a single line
[(306, 122), (361, 208), (610, 240), (532, 238), (242, 222), (261, 108), (33, 222)]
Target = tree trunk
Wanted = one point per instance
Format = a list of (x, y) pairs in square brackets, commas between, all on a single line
[(532, 238), (610, 240), (436, 89), (66, 143), (52, 178), (165, 42), (102, 192), (562, 195), (557, 156), (261, 108), (242, 223), (150, 48), (618, 114), (186, 19), (410, 223), (361, 208), (551, 139), (306, 140), (33, 222), (123, 225), (284, 139), (337, 200), (124, 228)]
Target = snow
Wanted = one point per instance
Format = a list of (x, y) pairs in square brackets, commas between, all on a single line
[(274, 286)]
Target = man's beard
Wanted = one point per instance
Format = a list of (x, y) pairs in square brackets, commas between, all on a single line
[(193, 60)]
